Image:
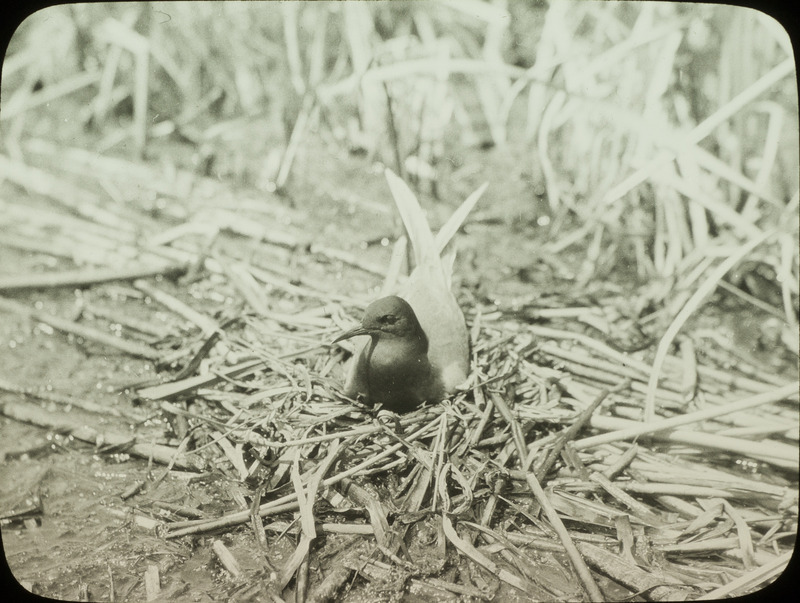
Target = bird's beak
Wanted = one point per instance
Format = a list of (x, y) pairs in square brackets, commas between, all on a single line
[(351, 333)]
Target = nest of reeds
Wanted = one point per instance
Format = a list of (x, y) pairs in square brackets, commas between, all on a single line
[(505, 475)]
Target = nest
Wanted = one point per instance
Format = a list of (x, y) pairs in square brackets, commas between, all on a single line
[(506, 476)]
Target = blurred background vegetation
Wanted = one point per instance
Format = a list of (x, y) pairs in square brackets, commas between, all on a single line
[(655, 138)]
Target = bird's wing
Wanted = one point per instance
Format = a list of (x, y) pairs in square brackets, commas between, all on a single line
[(419, 232), (457, 218), (428, 287)]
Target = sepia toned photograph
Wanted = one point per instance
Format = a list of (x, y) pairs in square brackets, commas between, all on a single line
[(399, 301)]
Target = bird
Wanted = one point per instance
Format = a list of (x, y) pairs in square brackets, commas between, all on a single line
[(418, 346), (393, 370)]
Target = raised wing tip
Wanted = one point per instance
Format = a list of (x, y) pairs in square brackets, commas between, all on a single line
[(414, 220), (390, 174)]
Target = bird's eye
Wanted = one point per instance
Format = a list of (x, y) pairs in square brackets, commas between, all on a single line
[(388, 319)]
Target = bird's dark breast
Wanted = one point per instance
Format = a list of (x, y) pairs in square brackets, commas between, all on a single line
[(399, 377)]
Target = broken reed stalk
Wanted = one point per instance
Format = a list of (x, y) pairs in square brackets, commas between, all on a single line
[(170, 390), (478, 557), (703, 129), (571, 432), (80, 430), (584, 575), (283, 504), (88, 333), (68, 401), (121, 317), (289, 501), (87, 278), (207, 325), (697, 298), (226, 558), (74, 198), (787, 391), (746, 582), (632, 576), (19, 104), (306, 497)]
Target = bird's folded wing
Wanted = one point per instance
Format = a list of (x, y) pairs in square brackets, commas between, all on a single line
[(457, 218), (428, 288)]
